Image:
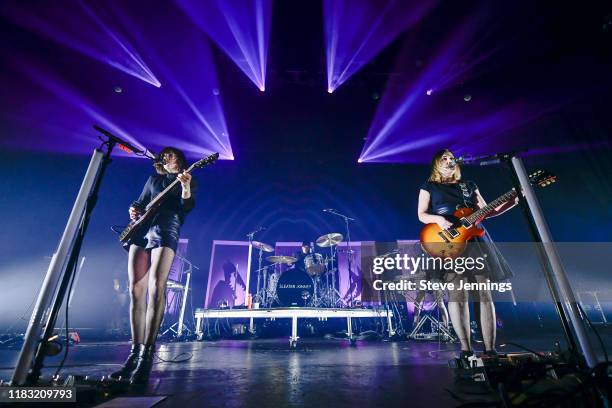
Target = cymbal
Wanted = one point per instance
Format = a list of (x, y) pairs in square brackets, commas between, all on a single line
[(263, 246), (328, 240), (283, 259)]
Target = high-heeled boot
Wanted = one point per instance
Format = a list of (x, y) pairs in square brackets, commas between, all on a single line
[(144, 362), (130, 363)]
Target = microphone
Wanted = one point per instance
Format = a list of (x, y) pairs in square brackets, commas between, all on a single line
[(128, 147), (488, 162), (252, 234), (123, 145)]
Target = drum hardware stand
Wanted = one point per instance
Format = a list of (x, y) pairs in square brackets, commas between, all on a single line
[(349, 256), (271, 295), (264, 291), (250, 236), (437, 328), (63, 265), (315, 301), (331, 295), (180, 324)]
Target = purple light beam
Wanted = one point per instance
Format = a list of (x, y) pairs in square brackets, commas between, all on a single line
[(357, 30), (241, 28), (84, 30), (415, 119)]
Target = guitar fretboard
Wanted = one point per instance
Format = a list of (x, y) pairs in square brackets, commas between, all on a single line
[(489, 208)]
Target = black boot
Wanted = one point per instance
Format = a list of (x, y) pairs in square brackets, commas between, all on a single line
[(491, 354), (144, 362), (130, 363), (464, 356)]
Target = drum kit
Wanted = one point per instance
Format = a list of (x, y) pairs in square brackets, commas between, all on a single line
[(312, 286)]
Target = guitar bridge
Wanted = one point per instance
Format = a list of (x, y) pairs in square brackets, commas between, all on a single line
[(441, 234)]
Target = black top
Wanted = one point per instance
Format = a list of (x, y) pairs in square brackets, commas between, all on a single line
[(299, 264), (445, 198), (174, 204)]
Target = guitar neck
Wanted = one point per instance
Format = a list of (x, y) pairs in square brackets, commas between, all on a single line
[(485, 211)]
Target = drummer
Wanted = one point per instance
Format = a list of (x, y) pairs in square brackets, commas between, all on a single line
[(305, 250)]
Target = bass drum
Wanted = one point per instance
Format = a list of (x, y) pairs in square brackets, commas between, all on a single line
[(294, 288)]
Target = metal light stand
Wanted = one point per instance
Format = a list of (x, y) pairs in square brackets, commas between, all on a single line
[(60, 272), (554, 273)]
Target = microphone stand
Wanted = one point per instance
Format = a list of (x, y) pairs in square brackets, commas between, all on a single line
[(558, 284), (59, 279), (349, 257)]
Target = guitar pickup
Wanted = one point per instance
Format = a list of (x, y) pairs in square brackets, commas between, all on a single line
[(465, 223), (453, 233)]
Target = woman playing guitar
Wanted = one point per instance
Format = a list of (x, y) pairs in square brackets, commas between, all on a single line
[(440, 196), (151, 252)]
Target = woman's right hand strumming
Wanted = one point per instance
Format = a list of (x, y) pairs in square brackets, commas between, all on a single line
[(443, 222), (135, 213)]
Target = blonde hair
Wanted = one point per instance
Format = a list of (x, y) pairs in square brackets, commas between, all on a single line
[(435, 174)]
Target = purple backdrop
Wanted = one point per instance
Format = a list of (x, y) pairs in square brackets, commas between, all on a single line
[(227, 273)]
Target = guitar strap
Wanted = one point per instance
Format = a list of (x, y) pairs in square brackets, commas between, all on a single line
[(465, 192)]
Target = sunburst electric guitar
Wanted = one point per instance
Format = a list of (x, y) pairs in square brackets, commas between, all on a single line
[(134, 226), (451, 242)]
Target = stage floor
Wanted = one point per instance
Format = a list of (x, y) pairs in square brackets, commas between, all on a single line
[(267, 373)]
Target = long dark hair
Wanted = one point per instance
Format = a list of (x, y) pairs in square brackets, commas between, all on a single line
[(159, 165)]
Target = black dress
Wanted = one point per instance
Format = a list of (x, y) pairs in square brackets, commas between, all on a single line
[(445, 199), (164, 229)]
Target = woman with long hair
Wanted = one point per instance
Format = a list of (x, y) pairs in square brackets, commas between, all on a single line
[(440, 196), (150, 257)]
